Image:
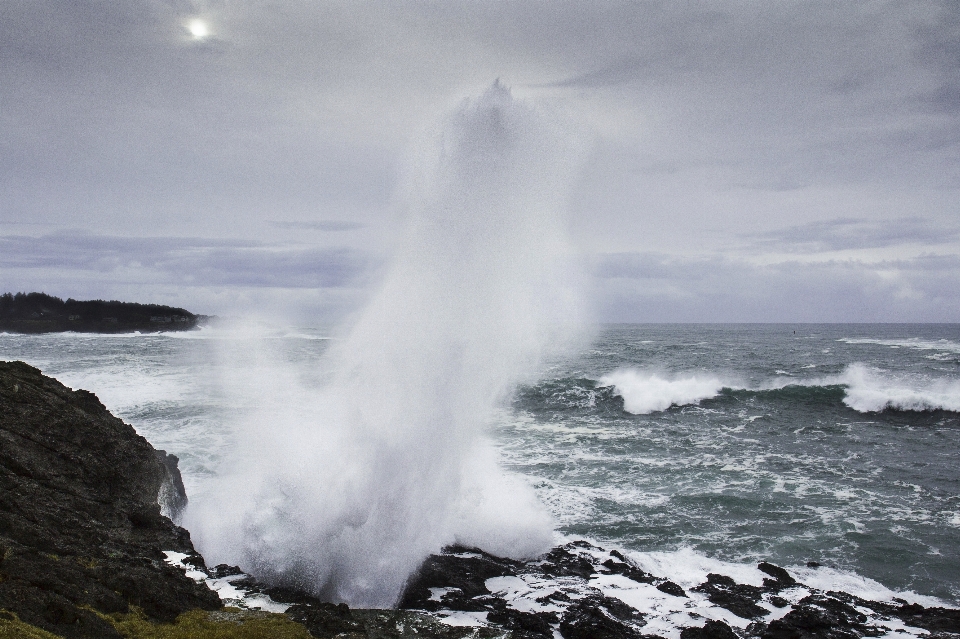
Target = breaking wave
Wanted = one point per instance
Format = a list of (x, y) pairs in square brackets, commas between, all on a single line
[(863, 388), (870, 391), (646, 392)]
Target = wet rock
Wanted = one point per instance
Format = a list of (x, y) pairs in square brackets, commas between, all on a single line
[(404, 624), (671, 589), (586, 619), (822, 617), (616, 608), (740, 599), (326, 619), (329, 621), (223, 570), (627, 569), (463, 569), (553, 597), (529, 625), (713, 629), (560, 562), (936, 620), (565, 581), (172, 496), (781, 578), (80, 526)]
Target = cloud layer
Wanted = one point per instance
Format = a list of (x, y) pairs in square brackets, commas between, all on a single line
[(794, 146)]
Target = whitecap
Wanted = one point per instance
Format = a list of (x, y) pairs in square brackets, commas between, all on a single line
[(872, 390), (645, 392), (914, 343)]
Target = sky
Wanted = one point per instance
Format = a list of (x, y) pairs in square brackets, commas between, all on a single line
[(746, 161)]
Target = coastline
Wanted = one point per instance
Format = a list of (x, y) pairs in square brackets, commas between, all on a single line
[(89, 551), (36, 313)]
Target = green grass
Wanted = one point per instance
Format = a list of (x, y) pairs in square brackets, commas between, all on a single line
[(12, 628), (229, 623)]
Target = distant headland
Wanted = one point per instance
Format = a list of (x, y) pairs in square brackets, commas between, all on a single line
[(42, 313)]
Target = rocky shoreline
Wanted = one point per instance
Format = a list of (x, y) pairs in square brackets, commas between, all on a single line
[(88, 549)]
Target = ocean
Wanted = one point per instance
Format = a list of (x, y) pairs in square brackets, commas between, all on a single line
[(836, 443)]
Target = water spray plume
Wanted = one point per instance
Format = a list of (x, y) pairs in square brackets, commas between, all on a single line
[(344, 492)]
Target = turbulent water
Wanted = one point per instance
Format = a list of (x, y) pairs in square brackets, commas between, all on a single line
[(838, 444)]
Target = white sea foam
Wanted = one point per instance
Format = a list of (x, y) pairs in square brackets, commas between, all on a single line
[(826, 579), (868, 389), (345, 489), (872, 390), (688, 568), (667, 615), (646, 391), (917, 343)]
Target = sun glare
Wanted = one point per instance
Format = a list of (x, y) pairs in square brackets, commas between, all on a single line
[(198, 28)]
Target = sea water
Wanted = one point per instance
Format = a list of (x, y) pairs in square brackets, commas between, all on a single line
[(836, 444)]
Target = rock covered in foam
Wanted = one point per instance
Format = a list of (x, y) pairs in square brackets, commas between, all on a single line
[(581, 591)]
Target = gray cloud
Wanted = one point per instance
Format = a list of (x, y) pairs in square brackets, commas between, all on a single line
[(938, 48), (188, 261), (817, 125), (663, 288), (854, 233), (322, 225)]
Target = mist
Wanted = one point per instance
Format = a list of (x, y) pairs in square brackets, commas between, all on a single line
[(342, 487)]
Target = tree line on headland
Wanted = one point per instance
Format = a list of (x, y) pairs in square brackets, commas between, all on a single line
[(42, 313)]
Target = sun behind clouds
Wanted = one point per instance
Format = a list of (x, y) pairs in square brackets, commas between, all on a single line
[(198, 28)]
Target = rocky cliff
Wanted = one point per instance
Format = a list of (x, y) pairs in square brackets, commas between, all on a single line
[(80, 526)]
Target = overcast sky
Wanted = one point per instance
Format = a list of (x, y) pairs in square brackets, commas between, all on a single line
[(749, 161)]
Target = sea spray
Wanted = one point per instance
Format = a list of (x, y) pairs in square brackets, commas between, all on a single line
[(346, 489), (646, 392)]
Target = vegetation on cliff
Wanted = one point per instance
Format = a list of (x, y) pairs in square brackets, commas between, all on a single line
[(42, 313)]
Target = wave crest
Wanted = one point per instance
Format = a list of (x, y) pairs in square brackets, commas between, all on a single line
[(646, 392), (871, 391), (865, 389)]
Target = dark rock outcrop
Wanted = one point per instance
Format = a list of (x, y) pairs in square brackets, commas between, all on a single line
[(80, 526), (822, 616), (780, 578), (710, 630), (172, 496), (462, 572), (933, 619), (588, 619), (740, 599), (42, 313), (563, 592)]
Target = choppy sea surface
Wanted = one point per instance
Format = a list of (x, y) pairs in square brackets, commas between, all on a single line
[(836, 444)]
